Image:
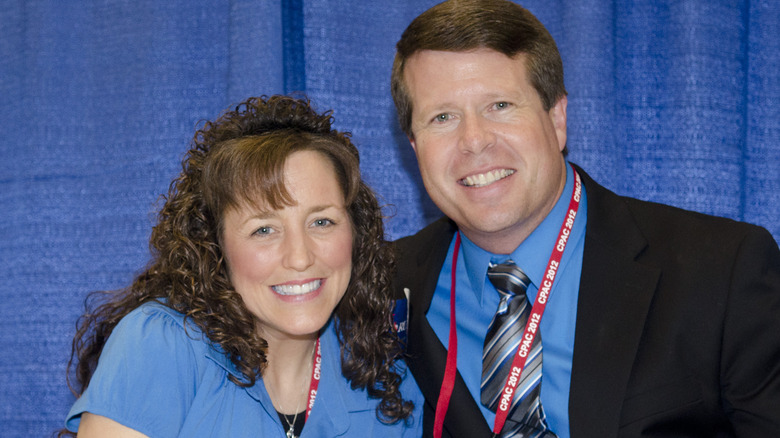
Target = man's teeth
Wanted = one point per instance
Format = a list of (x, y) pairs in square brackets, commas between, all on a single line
[(484, 179), (297, 289)]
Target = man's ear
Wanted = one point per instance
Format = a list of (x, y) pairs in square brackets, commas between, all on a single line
[(558, 117), (413, 143)]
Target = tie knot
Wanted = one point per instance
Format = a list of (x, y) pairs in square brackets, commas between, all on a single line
[(508, 278)]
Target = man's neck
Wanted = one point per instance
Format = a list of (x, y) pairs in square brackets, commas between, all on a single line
[(507, 240)]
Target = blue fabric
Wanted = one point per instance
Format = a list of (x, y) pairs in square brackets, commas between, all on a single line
[(476, 302), (166, 380), (676, 101)]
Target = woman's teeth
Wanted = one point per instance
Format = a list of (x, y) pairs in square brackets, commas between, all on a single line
[(297, 289)]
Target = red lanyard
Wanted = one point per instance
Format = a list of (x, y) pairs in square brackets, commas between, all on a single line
[(531, 328), (315, 377), (451, 368)]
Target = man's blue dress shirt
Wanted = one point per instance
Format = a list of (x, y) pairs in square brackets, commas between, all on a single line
[(477, 301)]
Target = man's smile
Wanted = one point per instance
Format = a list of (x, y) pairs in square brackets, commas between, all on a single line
[(484, 179)]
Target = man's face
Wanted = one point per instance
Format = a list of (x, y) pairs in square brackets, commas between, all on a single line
[(489, 154)]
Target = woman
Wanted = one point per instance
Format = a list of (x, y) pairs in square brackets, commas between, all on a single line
[(267, 305)]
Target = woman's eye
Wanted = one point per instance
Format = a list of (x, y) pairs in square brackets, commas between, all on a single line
[(323, 222), (264, 231)]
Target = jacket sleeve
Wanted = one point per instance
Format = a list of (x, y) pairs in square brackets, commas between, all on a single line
[(750, 370)]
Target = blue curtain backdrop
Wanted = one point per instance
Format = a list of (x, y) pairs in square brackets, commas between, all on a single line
[(676, 101)]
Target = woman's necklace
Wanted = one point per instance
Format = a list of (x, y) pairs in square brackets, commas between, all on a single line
[(291, 430), (291, 424)]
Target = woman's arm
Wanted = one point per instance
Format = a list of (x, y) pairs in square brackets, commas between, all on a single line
[(98, 426)]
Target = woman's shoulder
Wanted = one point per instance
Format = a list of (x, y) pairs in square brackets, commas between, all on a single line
[(153, 312), (153, 337), (156, 318), (150, 364)]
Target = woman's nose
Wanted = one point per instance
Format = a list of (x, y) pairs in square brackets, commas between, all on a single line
[(297, 249)]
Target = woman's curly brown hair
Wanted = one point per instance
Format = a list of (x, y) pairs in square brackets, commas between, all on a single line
[(231, 161)]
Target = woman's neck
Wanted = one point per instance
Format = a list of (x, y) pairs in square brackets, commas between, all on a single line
[(288, 373)]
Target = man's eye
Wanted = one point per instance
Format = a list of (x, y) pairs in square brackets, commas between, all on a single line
[(502, 105), (442, 117)]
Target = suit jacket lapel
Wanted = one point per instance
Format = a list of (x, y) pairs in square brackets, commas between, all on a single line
[(427, 355), (614, 298)]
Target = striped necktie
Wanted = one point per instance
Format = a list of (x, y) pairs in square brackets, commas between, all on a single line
[(526, 416)]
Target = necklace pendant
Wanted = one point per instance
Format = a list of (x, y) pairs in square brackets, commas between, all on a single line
[(290, 433)]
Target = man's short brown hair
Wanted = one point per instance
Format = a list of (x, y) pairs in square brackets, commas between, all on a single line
[(465, 25)]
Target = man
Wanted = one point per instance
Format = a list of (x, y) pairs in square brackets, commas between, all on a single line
[(656, 321)]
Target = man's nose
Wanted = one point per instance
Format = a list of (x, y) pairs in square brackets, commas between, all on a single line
[(476, 135)]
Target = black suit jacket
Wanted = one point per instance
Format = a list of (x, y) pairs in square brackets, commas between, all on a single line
[(677, 331)]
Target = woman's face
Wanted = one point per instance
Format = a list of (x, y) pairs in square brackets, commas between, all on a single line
[(292, 266)]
